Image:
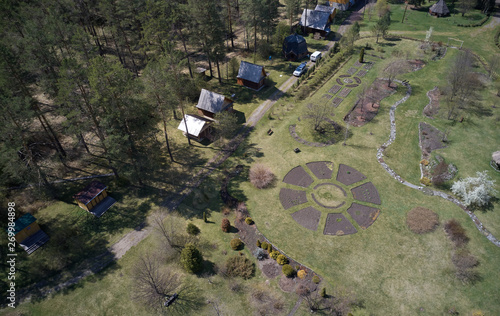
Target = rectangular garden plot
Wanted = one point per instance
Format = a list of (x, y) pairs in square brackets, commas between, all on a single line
[(327, 96), (365, 216), (337, 224), (345, 92), (368, 66), (336, 101), (334, 89), (361, 73), (352, 71), (358, 64)]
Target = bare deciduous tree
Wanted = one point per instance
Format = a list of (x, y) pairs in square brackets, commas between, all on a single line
[(154, 284), (173, 231), (395, 69), (317, 113)]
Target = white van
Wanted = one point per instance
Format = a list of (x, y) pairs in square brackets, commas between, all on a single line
[(315, 56)]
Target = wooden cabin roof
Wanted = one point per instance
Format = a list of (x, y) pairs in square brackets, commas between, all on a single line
[(90, 192), (440, 8), (251, 72), (23, 222), (315, 19), (195, 123), (212, 102)]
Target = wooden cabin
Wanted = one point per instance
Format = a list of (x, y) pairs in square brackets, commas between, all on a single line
[(28, 234), (328, 9), (251, 75), (294, 47), (211, 103), (198, 127), (317, 21), (94, 198)]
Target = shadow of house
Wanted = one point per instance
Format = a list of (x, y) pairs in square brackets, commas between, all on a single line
[(439, 9), (94, 199), (251, 75), (294, 47), (211, 103), (198, 127), (317, 21), (28, 234)]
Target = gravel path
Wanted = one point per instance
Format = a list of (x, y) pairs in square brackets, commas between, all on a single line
[(380, 158)]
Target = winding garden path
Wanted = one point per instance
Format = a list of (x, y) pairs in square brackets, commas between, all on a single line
[(392, 138)]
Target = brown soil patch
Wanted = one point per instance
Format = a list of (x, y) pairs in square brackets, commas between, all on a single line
[(366, 193), (422, 220), (289, 197), (338, 224), (432, 108), (348, 175), (364, 216), (270, 268), (307, 217), (321, 169), (367, 108), (287, 284), (430, 139), (298, 176)]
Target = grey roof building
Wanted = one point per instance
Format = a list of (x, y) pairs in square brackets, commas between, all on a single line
[(439, 9), (211, 103), (251, 75), (316, 20)]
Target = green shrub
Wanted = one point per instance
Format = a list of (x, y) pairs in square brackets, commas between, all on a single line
[(269, 248), (361, 55), (282, 260), (225, 225), (288, 270), (191, 258), (323, 292), (239, 266), (192, 229), (426, 181), (236, 244), (258, 243), (249, 220), (316, 279), (264, 245), (274, 254)]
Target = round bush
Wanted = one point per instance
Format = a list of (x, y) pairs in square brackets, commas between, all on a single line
[(301, 274), (249, 220), (421, 220), (192, 229), (288, 270), (274, 254), (258, 243), (282, 259), (264, 245), (316, 279), (191, 258), (261, 176), (426, 181), (236, 244), (225, 225)]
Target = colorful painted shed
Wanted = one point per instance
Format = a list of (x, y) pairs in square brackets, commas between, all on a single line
[(28, 234), (94, 198)]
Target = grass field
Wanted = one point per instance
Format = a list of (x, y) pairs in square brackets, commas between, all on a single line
[(392, 270)]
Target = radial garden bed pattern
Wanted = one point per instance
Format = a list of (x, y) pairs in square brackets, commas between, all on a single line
[(330, 195)]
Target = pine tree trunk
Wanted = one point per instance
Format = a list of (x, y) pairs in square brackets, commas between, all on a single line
[(186, 51), (218, 71)]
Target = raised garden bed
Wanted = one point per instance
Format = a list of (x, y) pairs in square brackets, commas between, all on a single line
[(290, 198), (298, 176), (337, 224), (345, 92), (366, 193), (337, 101), (348, 175), (334, 89), (321, 169), (307, 217), (430, 138), (364, 216)]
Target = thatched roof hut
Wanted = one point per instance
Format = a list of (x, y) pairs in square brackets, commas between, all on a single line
[(439, 9)]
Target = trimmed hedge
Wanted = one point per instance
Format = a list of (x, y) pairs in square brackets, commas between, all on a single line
[(480, 23)]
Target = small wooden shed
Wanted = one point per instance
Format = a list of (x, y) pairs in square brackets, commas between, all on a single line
[(94, 198), (28, 234), (439, 9), (251, 75), (198, 127), (211, 103)]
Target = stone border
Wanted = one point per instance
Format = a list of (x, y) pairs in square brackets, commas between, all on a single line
[(380, 159)]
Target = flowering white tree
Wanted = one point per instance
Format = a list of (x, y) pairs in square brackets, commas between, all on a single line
[(475, 190)]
